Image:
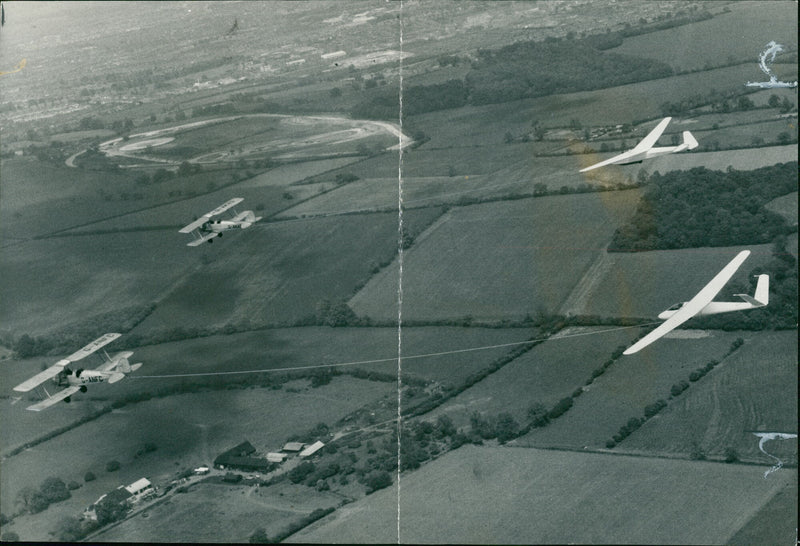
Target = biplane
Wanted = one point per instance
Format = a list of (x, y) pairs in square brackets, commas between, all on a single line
[(702, 303), (646, 149), (112, 370), (206, 229)]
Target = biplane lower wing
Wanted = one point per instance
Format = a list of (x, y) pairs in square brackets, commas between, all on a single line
[(54, 399), (201, 240)]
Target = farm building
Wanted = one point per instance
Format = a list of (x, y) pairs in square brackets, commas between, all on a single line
[(276, 457), (310, 450), (139, 490), (241, 458), (200, 470), (293, 447), (122, 496), (244, 449)]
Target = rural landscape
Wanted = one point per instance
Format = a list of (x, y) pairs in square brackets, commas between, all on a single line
[(419, 329)]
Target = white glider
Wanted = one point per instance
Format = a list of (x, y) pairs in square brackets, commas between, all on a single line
[(207, 229), (702, 303), (112, 370), (646, 150)]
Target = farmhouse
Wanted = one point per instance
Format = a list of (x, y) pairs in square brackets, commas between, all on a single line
[(122, 496), (140, 490)]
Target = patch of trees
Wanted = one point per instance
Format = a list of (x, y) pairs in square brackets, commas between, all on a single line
[(699, 207), (63, 342), (214, 109), (508, 74), (73, 529), (260, 536), (33, 501)]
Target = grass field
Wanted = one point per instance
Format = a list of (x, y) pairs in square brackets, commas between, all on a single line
[(693, 46), (786, 206), (545, 374), (629, 385), (642, 284), (222, 513), (265, 349), (477, 495), (754, 391), (499, 260), (192, 430), (52, 284), (278, 272)]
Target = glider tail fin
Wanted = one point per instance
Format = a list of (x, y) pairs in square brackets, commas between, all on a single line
[(761, 297), (689, 141)]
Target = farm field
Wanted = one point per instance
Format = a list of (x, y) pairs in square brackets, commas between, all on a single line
[(642, 284), (629, 385), (53, 284), (264, 349), (499, 260), (477, 126), (545, 374), (279, 272), (476, 495), (753, 391), (222, 513), (693, 46), (39, 198), (197, 428)]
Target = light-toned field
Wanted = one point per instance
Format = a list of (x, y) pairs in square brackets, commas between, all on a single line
[(497, 495), (743, 160), (499, 260), (786, 206), (545, 374), (222, 513), (755, 390), (629, 385), (693, 46), (516, 177), (191, 430), (642, 284)]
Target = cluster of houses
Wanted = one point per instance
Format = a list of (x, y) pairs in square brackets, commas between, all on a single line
[(242, 457)]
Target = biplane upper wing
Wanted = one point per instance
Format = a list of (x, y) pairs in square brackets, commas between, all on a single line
[(41, 377), (219, 210), (225, 206), (194, 225), (693, 306), (103, 340), (54, 399)]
